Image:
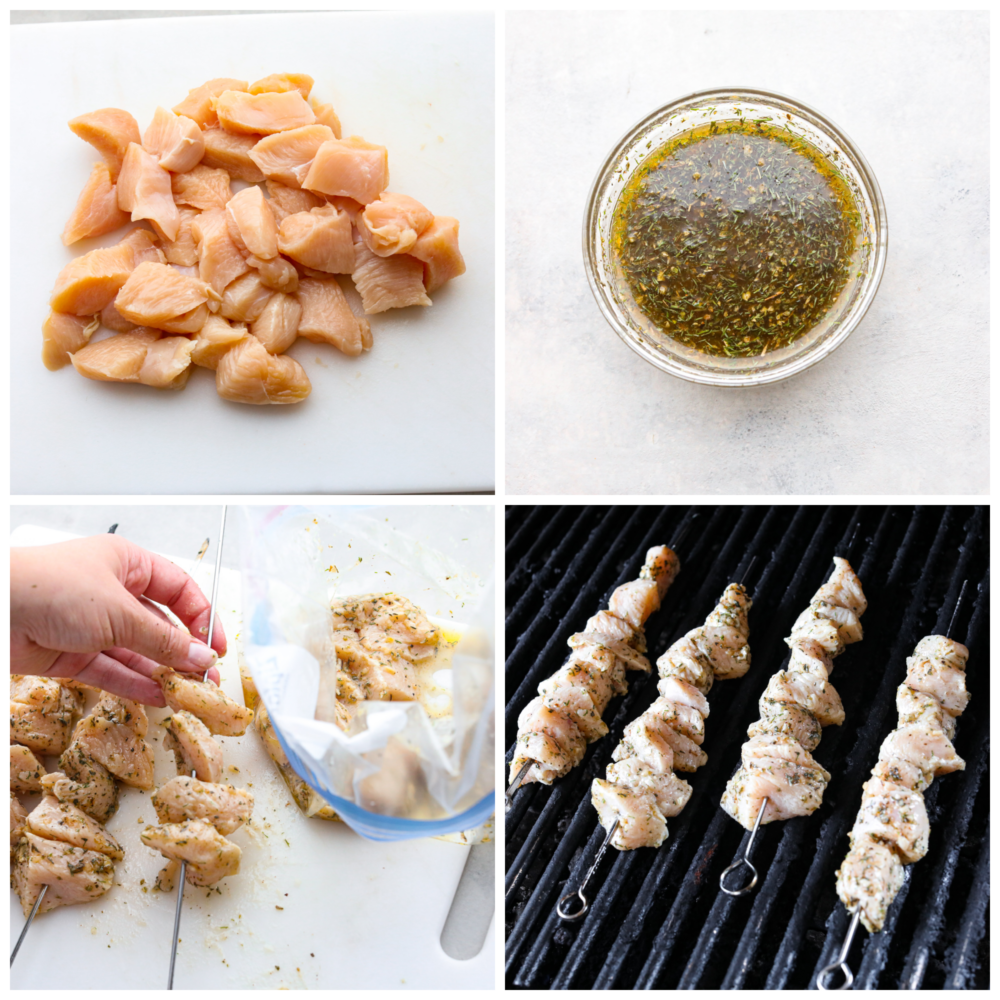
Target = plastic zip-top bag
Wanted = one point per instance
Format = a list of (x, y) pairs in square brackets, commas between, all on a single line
[(369, 636)]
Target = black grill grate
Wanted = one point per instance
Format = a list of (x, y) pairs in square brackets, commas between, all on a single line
[(657, 917)]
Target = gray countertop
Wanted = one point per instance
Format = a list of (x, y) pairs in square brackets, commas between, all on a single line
[(901, 407)]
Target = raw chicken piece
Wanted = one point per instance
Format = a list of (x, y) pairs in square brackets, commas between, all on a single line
[(349, 167), (198, 103), (437, 249), (174, 141), (681, 693), (248, 374), (203, 188), (184, 798), (723, 637), (251, 224), (943, 683), (791, 790), (903, 772), (168, 363), (262, 114), (592, 646), (85, 782), (245, 298), (25, 770), (72, 874), (96, 211), (548, 738), (843, 588), (278, 325), (640, 822), (285, 200), (670, 792), (123, 712), (159, 296), (63, 335), (683, 718), (114, 320), (325, 115), (166, 878), (846, 621), (582, 692), (231, 153), (811, 692), (614, 629), (193, 746), (286, 156), (277, 273), (634, 601), (109, 131), (871, 875), (378, 677), (809, 656), (392, 223), (327, 318), (685, 661), (647, 743), (220, 262), (64, 821), (42, 713), (205, 700), (278, 83), (144, 189), (894, 815), (787, 719), (88, 283), (117, 359), (214, 339), (17, 821), (118, 747), (388, 282), (184, 249), (320, 239), (396, 616), (928, 749), (940, 647), (925, 709), (209, 856)]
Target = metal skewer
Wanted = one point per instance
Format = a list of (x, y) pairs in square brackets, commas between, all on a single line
[(45, 888), (211, 631), (584, 905), (745, 860), (841, 962)]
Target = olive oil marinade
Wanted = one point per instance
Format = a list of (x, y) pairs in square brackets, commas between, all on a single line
[(736, 237)]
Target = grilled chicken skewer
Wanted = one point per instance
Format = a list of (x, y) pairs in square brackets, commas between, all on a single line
[(891, 828), (555, 728), (779, 778)]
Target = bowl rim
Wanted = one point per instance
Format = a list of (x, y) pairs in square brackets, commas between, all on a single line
[(794, 365)]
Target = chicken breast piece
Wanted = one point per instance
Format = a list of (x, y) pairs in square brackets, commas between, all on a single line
[(277, 273), (925, 709), (109, 131), (670, 792), (207, 701), (72, 874), (198, 103), (388, 282), (895, 815), (174, 141), (17, 821), (220, 262), (118, 359), (327, 318), (928, 749), (42, 713), (159, 296), (26, 771), (945, 684), (847, 623), (262, 114), (683, 718), (194, 749), (214, 339), (285, 200), (598, 684), (787, 719), (184, 798), (277, 327), (85, 782), (940, 647), (810, 692), (635, 601), (202, 187), (96, 211), (577, 704), (209, 856), (550, 739), (392, 223), (278, 83), (843, 588), (682, 693), (231, 152), (286, 156), (64, 821), (602, 651), (350, 168), (651, 743), (870, 876), (685, 661), (320, 239), (119, 748), (144, 189), (790, 790), (245, 299), (640, 822), (380, 675), (251, 224), (437, 249), (64, 335), (247, 373)]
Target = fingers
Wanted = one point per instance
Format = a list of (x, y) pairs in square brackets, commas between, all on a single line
[(137, 628), (104, 671)]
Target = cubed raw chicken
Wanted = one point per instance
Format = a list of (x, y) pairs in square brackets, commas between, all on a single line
[(198, 103), (262, 114), (388, 282), (895, 815), (118, 747), (870, 876), (174, 141), (18, 818), (685, 661), (327, 317), (202, 187), (670, 792), (159, 296), (640, 822), (26, 771), (279, 83), (944, 683), (940, 647), (209, 856), (144, 189), (929, 749), (285, 200), (96, 211), (193, 746), (919, 707), (320, 238), (788, 719), (73, 875), (216, 337), (349, 167), (378, 677), (245, 298), (843, 588), (207, 701), (635, 601), (117, 359), (723, 637), (183, 798), (109, 131), (167, 364), (84, 781), (220, 262), (811, 692), (846, 621), (325, 115), (249, 374), (64, 821), (251, 224), (278, 325), (549, 738), (230, 152), (437, 249), (286, 156), (184, 249), (63, 335), (277, 273), (392, 223), (42, 713), (681, 693)]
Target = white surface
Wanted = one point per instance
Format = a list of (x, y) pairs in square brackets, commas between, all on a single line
[(416, 412), (901, 407), (355, 914)]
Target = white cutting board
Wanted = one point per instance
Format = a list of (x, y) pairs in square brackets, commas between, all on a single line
[(415, 413), (355, 914)]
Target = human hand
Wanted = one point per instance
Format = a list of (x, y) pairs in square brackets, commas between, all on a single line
[(83, 609)]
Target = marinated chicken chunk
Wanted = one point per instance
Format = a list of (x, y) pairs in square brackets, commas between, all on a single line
[(193, 746), (895, 815), (221, 714), (209, 856), (26, 771), (640, 822), (17, 821), (64, 821), (118, 747), (670, 792), (183, 798), (72, 874), (929, 749), (42, 713), (870, 876), (85, 782), (723, 637)]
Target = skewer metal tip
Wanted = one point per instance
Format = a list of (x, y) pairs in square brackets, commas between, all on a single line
[(27, 924), (745, 860), (682, 532), (562, 906), (508, 796), (958, 604), (841, 962)]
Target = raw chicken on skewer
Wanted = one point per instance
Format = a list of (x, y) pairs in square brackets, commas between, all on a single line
[(892, 829), (555, 728), (641, 789), (778, 778)]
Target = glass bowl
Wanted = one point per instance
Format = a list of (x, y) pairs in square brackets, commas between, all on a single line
[(612, 292)]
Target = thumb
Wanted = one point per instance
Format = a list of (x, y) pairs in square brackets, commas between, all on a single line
[(146, 633)]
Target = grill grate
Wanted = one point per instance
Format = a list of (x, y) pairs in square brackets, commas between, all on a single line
[(657, 917)]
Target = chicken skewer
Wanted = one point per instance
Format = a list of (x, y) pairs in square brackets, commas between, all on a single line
[(779, 778), (891, 829), (555, 727), (641, 790), (44, 889)]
